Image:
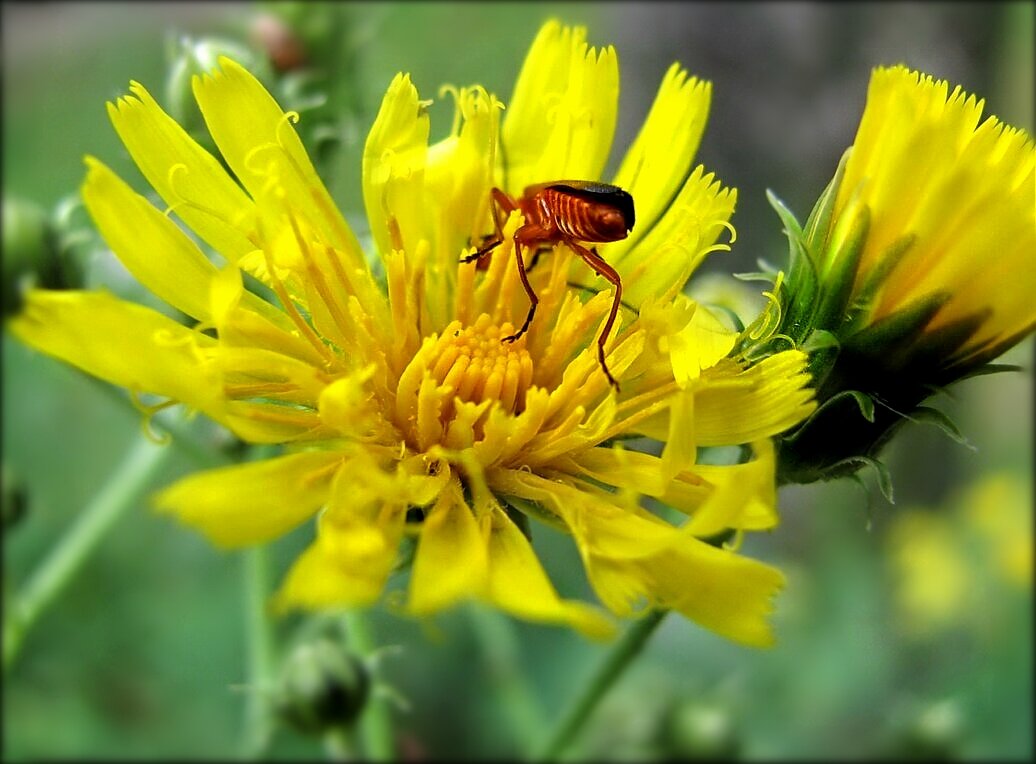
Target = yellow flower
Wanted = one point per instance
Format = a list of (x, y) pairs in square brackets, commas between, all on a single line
[(947, 209), (400, 410), (913, 270)]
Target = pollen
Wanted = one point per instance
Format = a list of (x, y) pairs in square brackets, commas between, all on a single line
[(479, 365)]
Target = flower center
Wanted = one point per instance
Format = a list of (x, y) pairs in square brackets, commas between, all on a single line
[(479, 365)]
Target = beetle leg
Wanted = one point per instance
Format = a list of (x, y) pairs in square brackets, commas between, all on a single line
[(527, 234), (502, 203), (601, 268)]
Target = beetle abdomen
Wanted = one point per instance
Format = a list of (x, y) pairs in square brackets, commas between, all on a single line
[(583, 218)]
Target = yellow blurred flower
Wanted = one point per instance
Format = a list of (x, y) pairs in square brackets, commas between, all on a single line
[(400, 410), (959, 567), (998, 511), (934, 589)]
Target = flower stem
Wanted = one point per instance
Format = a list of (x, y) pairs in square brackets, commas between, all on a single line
[(375, 722), (622, 654), (121, 493), (258, 722), (500, 655)]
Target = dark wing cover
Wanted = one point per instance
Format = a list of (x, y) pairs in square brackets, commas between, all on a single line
[(603, 193)]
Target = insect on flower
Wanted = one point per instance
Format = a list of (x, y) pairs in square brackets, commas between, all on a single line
[(566, 212)]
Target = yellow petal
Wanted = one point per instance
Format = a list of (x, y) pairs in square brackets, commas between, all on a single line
[(659, 161), (744, 496), (734, 406), (357, 538), (634, 559), (518, 584), (319, 578), (126, 344), (244, 319), (254, 502), (260, 145), (459, 171), (458, 178), (150, 245), (186, 176), (699, 345), (561, 119), (726, 593), (450, 564), (662, 258), (394, 159), (632, 470), (681, 448)]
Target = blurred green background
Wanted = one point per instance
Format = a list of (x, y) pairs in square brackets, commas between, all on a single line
[(905, 629)]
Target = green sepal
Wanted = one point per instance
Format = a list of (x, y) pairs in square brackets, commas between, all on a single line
[(819, 339), (823, 349), (803, 281), (992, 368), (875, 277), (853, 464), (933, 416), (934, 349), (979, 357), (818, 224), (756, 276), (838, 283), (864, 402), (899, 329)]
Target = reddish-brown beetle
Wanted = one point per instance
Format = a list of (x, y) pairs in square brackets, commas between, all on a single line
[(566, 212)]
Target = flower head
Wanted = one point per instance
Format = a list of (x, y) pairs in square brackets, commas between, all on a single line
[(915, 267), (401, 412)]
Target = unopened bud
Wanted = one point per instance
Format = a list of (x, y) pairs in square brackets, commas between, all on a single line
[(30, 256), (935, 734), (698, 730), (323, 687)]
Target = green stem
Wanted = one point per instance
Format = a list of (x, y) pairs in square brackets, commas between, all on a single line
[(375, 722), (622, 654), (258, 720), (121, 493), (500, 653)]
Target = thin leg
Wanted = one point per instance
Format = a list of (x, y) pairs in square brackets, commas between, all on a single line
[(602, 269), (502, 203), (530, 235)]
